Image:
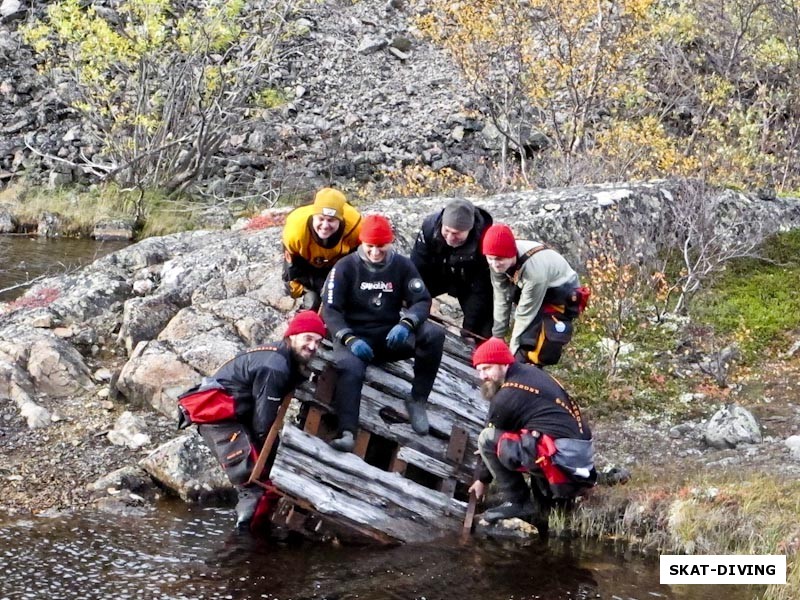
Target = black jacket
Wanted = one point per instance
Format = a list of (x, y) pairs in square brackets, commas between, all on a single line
[(531, 399), (258, 379), (455, 271), (365, 300)]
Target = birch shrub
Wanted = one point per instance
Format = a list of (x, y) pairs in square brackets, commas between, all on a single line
[(162, 85)]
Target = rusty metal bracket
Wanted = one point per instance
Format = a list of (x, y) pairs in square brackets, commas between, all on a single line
[(457, 447)]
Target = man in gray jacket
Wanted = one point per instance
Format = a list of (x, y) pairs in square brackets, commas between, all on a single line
[(544, 288)]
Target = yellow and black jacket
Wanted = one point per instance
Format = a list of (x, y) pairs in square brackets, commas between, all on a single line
[(307, 259)]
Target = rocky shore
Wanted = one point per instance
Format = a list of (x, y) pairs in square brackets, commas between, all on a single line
[(91, 362)]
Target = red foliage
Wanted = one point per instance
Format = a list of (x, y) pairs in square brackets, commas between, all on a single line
[(37, 298), (265, 221)]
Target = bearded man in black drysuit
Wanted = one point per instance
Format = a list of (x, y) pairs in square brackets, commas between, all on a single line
[(533, 427), (236, 407)]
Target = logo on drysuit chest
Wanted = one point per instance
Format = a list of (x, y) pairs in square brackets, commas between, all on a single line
[(377, 286)]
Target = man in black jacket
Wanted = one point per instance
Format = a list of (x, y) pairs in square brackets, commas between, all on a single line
[(236, 407), (448, 256), (534, 426), (376, 307)]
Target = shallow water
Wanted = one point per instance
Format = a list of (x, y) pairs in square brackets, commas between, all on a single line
[(23, 258), (181, 552)]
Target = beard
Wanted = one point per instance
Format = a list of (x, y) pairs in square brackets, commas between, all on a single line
[(489, 388), (300, 358)]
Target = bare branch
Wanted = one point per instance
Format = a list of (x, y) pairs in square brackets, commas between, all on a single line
[(24, 284)]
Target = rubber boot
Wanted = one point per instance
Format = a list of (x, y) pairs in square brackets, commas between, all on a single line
[(345, 442), (614, 476), (417, 415), (510, 509), (249, 497)]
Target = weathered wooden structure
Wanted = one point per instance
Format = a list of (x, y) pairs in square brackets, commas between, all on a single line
[(396, 486)]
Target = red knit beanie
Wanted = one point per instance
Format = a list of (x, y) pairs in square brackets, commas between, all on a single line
[(306, 321), (493, 351), (376, 230), (499, 241)]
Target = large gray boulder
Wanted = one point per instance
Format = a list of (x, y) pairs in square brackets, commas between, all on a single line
[(58, 369), (186, 466), (731, 426), (144, 318), (155, 376)]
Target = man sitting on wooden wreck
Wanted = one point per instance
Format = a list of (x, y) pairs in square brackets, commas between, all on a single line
[(235, 408), (534, 427), (376, 307)]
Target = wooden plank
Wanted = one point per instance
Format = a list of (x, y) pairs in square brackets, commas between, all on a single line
[(455, 392), (317, 527), (342, 487), (458, 396), (426, 463), (313, 420), (349, 495), (325, 384), (397, 465), (448, 486), (296, 520), (401, 433), (362, 441), (469, 518), (372, 420), (272, 435)]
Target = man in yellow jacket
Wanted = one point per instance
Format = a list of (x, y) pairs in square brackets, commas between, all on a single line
[(314, 238)]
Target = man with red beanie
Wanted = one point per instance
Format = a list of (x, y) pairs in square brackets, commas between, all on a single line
[(376, 307), (545, 289), (235, 408), (533, 426), (314, 238)]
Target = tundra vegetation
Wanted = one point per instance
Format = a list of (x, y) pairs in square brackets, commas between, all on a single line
[(163, 85), (632, 89), (580, 93), (630, 356)]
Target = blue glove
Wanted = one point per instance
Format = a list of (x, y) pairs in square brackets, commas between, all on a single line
[(397, 336), (361, 349)]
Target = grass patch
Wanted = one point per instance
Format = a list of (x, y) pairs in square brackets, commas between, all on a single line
[(696, 515), (81, 209), (78, 211), (757, 301), (638, 382), (163, 216)]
